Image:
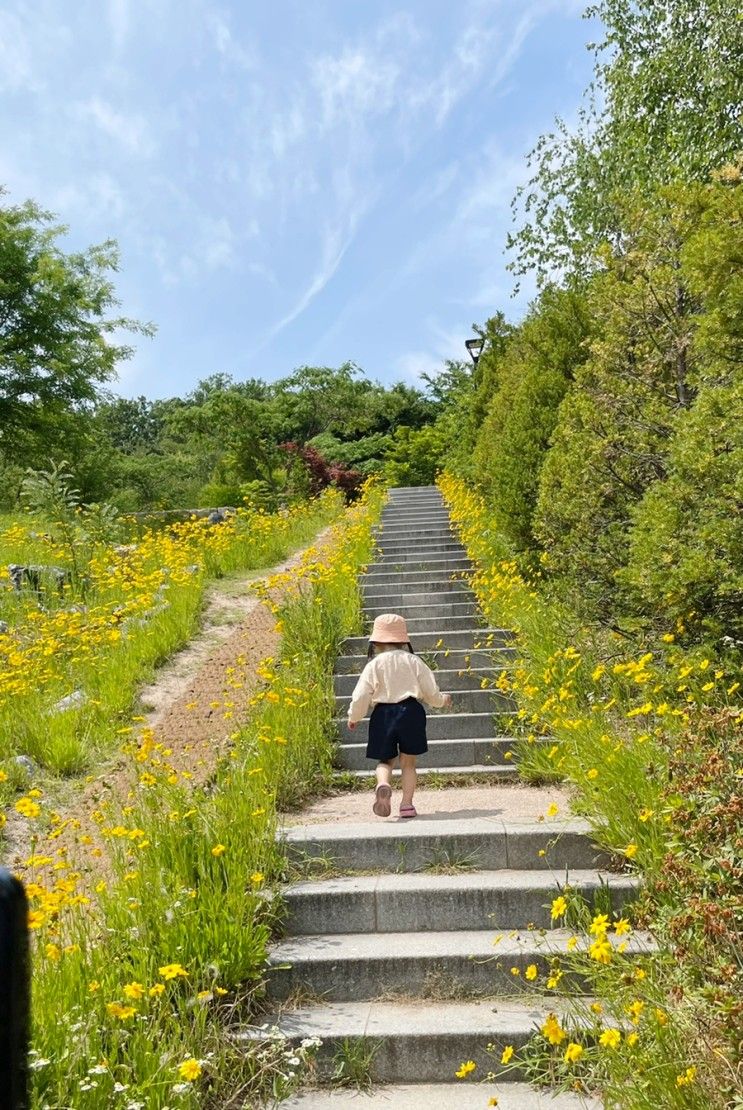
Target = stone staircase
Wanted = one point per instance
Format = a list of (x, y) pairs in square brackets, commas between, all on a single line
[(409, 947)]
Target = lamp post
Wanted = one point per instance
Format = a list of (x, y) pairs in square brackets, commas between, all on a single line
[(475, 346)]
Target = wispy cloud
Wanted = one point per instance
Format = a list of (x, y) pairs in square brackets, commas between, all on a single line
[(129, 130)]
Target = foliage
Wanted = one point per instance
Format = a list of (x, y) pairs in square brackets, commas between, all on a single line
[(415, 456), (124, 610), (56, 331), (536, 367), (650, 742), (664, 106), (171, 947)]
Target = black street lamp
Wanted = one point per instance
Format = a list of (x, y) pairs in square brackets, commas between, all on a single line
[(475, 346)]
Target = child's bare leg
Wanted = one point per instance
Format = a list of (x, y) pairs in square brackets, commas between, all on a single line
[(384, 773), (409, 778)]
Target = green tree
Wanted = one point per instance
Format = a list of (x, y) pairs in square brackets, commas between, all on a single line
[(535, 370), (664, 105), (616, 422), (56, 329)]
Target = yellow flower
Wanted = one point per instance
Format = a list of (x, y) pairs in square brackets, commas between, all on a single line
[(172, 971), (156, 990), (572, 943), (218, 850), (52, 952), (492, 1101), (507, 1054), (552, 1030), (257, 877), (622, 926), (610, 1038), (601, 951), (573, 1053), (190, 1070), (661, 1017), (559, 906), (465, 1069), (645, 814), (630, 851), (632, 1039), (553, 810), (531, 972), (592, 774), (116, 1010), (27, 807), (635, 1010), (687, 1077), (599, 925), (133, 991)]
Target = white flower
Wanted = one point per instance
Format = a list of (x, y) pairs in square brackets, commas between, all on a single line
[(180, 1088), (119, 1087), (40, 1063), (99, 1069)]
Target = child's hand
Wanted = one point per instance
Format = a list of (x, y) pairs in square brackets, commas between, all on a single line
[(352, 725), (447, 701)]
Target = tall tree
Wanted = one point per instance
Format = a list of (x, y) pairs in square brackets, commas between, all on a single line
[(56, 328), (664, 105)]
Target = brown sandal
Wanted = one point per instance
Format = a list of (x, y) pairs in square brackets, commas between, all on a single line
[(382, 805)]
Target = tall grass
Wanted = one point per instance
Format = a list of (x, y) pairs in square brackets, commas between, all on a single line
[(142, 977), (650, 740), (72, 660)]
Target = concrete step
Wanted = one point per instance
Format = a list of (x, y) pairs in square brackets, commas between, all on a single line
[(488, 639), (454, 592), (420, 514), (484, 752), (446, 658), (475, 1095), (419, 577), (415, 1039), (448, 679), (442, 610), (413, 533), (440, 561), (468, 900), (465, 703), (351, 967), (484, 842), (491, 772), (443, 726), (442, 624), (443, 550)]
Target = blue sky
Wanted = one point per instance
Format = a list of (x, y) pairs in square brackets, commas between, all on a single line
[(289, 182)]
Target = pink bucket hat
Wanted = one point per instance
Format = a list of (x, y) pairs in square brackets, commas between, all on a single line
[(389, 629)]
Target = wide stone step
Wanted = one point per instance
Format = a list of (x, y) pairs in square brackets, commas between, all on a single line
[(487, 639), (414, 533), (443, 610), (420, 576), (416, 1039), (422, 541), (477, 772), (465, 703), (441, 624), (425, 513), (467, 678), (445, 726), (463, 963), (444, 549), (443, 658), (484, 842), (469, 900), (456, 592), (441, 1096), (482, 752), (440, 561)]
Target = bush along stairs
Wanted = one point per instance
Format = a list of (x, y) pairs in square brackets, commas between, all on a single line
[(394, 961)]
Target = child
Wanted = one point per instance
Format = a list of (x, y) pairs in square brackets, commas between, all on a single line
[(394, 681)]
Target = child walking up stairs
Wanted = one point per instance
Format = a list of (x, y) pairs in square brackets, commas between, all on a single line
[(406, 962)]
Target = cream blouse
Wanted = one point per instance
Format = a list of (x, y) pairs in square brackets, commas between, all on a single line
[(393, 676)]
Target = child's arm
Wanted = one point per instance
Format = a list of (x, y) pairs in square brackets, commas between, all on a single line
[(360, 698), (429, 687)]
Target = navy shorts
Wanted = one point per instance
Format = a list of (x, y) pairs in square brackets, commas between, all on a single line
[(394, 725)]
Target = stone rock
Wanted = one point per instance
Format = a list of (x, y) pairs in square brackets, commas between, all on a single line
[(72, 701), (26, 764)]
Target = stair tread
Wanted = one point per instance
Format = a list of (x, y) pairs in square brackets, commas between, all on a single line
[(424, 826), (505, 879), (440, 1096), (435, 944)]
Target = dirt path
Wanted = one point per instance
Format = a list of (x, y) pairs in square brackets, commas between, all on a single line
[(197, 700)]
